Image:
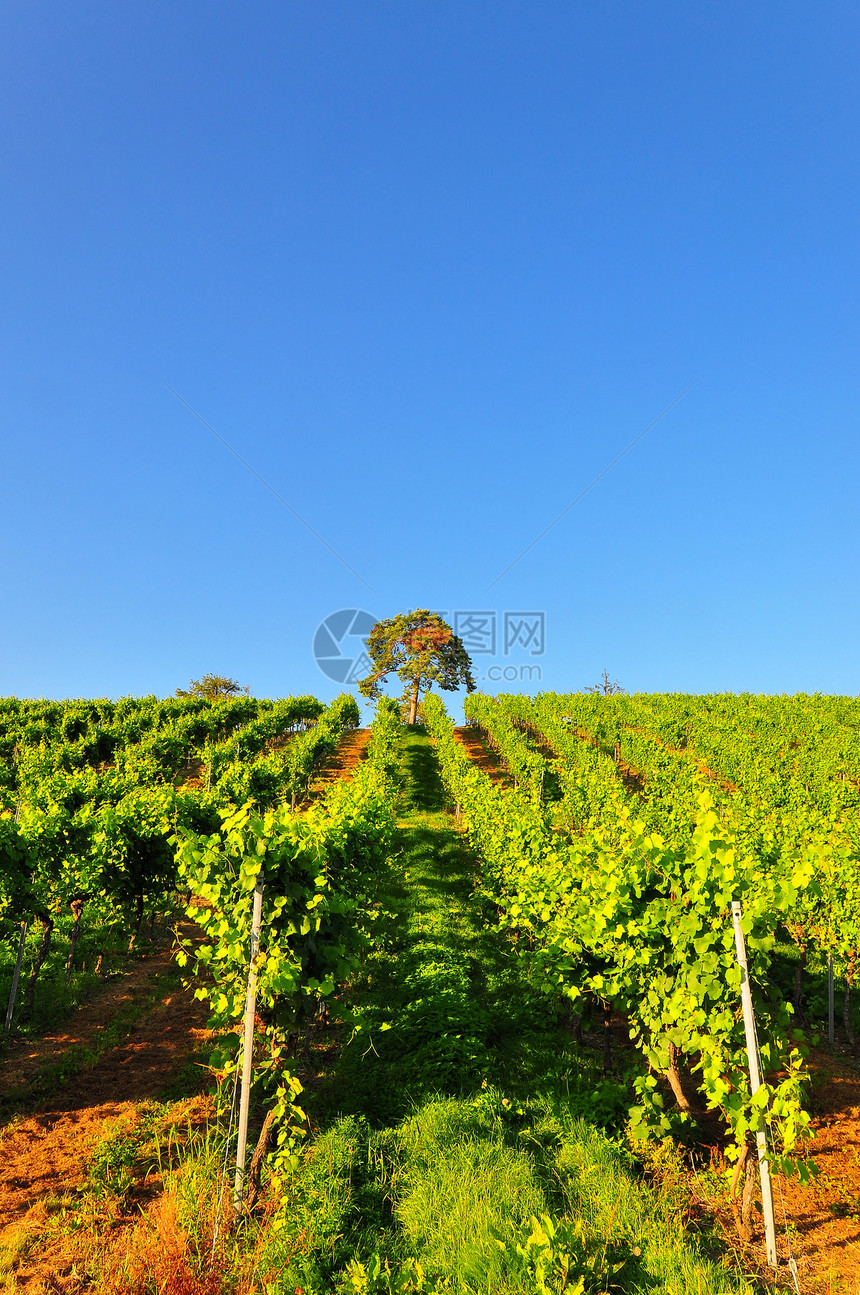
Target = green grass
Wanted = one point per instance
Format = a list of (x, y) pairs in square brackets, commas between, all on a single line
[(451, 1182)]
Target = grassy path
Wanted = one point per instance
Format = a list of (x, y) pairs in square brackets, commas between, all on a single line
[(460, 1112)]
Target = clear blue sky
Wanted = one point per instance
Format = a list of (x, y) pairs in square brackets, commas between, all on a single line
[(429, 267)]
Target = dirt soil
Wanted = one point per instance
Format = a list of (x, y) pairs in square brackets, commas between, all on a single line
[(824, 1217), (342, 765), (482, 755), (818, 1225), (632, 779), (44, 1148), (191, 776)]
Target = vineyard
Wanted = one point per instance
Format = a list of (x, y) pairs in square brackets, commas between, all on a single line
[(91, 793), (496, 1042), (624, 897)]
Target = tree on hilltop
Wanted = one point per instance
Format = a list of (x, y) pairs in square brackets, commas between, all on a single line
[(212, 686), (607, 687), (421, 649)]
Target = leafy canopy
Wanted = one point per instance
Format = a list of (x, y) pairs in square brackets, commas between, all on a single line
[(421, 649), (212, 686)]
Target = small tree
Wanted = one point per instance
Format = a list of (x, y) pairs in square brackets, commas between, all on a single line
[(607, 687), (212, 686), (421, 650)]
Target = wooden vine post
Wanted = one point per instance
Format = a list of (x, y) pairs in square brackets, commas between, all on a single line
[(248, 1046), (755, 1084)]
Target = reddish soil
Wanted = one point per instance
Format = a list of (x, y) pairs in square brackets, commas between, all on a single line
[(482, 755), (22, 1059), (826, 1213), (45, 1149), (709, 773), (820, 1225), (342, 765), (633, 779), (191, 776)]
